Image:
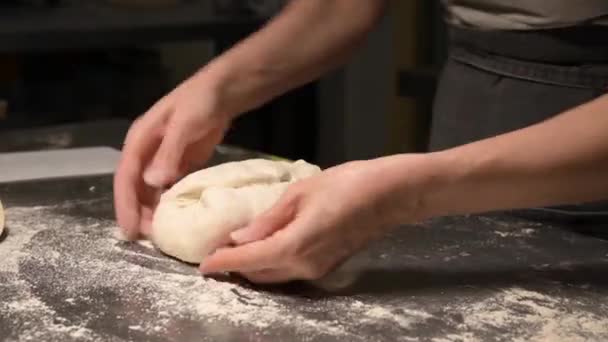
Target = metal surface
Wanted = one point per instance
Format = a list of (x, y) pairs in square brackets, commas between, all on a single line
[(109, 133), (73, 162), (449, 279)]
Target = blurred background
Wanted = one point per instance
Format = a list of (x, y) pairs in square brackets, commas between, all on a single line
[(76, 73)]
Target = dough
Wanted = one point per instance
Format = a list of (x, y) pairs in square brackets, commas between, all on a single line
[(197, 214), (1, 218)]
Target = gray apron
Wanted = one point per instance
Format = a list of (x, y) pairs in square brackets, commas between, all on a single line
[(498, 81)]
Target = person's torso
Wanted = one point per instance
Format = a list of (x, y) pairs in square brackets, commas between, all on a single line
[(525, 14), (516, 63)]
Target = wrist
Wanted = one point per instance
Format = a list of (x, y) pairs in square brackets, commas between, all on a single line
[(473, 179), (398, 186), (240, 85), (447, 185), (417, 187), (213, 81)]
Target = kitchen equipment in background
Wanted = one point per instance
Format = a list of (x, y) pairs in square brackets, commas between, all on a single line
[(145, 4), (80, 86), (30, 3), (263, 8), (73, 70), (3, 110)]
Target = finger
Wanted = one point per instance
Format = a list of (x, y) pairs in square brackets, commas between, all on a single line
[(269, 276), (127, 179), (251, 257), (147, 210), (186, 143), (198, 154), (273, 220), (167, 162), (125, 201)]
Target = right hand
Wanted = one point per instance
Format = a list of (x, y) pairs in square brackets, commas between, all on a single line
[(179, 133)]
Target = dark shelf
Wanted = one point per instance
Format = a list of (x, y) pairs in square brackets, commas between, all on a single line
[(98, 24)]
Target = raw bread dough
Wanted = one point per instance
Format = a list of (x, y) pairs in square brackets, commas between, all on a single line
[(197, 215), (1, 218)]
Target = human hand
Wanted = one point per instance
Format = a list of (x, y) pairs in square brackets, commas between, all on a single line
[(316, 225), (177, 134)]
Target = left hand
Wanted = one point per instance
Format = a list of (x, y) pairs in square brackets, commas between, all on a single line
[(178, 134), (316, 225)]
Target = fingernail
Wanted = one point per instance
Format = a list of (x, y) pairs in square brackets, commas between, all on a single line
[(241, 236), (204, 270), (123, 235), (154, 177)]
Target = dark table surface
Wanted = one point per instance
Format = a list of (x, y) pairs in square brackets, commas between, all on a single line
[(65, 277)]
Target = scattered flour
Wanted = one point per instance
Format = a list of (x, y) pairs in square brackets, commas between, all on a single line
[(404, 321), (19, 234), (526, 232), (73, 278), (515, 310), (66, 277)]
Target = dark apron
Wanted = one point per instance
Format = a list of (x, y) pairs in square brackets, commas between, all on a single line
[(498, 81)]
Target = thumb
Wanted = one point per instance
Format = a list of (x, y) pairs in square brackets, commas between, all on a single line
[(269, 222), (165, 166)]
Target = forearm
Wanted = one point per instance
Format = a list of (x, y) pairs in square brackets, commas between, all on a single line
[(563, 160), (305, 40)]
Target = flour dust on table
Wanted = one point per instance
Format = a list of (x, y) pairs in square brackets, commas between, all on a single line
[(70, 279), (1, 220), (65, 277)]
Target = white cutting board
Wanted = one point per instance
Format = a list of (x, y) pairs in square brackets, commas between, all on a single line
[(49, 164)]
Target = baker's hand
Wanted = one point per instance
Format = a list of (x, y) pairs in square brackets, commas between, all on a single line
[(179, 132), (317, 224)]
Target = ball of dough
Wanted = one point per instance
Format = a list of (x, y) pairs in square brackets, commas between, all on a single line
[(1, 218), (197, 214)]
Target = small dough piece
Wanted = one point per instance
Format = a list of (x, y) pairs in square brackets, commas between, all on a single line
[(197, 215), (1, 218)]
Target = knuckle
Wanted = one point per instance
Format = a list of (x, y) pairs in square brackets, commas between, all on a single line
[(298, 187), (140, 128), (294, 193), (293, 247), (133, 129), (137, 121), (285, 253)]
